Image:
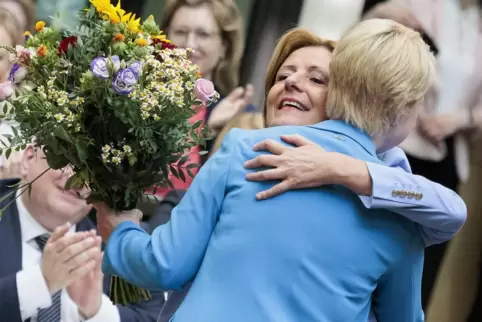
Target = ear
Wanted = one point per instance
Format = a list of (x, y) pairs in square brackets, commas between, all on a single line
[(28, 158)]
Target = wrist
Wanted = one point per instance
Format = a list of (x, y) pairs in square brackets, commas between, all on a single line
[(353, 174)]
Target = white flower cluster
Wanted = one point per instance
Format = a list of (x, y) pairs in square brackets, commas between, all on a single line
[(111, 154), (168, 81), (61, 99)]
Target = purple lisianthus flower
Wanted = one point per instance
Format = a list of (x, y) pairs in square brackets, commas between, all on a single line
[(17, 73), (116, 60), (136, 65), (98, 67), (124, 80)]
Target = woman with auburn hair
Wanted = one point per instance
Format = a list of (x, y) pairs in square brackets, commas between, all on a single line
[(215, 30), (261, 261)]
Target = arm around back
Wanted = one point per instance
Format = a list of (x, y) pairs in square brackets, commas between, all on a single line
[(171, 256)]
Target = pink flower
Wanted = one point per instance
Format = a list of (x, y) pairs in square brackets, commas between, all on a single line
[(204, 90), (22, 56), (6, 90)]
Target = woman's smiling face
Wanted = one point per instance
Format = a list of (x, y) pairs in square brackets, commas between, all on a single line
[(299, 93)]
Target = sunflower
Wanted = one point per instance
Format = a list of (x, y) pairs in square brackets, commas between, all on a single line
[(102, 6), (133, 24)]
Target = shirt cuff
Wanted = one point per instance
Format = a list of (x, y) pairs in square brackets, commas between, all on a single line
[(30, 302), (384, 182), (107, 312)]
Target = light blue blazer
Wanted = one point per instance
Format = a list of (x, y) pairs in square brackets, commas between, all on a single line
[(307, 255)]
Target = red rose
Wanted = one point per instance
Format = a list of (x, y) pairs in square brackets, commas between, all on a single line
[(65, 43)]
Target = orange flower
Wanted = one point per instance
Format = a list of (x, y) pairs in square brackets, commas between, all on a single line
[(40, 25), (42, 51), (198, 74), (141, 42), (119, 37)]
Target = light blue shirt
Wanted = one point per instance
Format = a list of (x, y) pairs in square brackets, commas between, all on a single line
[(307, 255), (440, 213)]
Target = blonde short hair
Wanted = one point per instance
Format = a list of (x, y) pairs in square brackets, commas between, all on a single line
[(380, 70), (231, 24), (290, 42)]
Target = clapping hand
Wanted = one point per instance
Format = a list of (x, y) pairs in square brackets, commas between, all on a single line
[(86, 292), (229, 106), (68, 257)]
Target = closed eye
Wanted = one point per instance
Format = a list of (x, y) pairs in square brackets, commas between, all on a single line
[(318, 80), (281, 77)]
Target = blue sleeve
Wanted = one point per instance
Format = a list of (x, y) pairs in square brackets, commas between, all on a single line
[(397, 297), (440, 212), (172, 255)]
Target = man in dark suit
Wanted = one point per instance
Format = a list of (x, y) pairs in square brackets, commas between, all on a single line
[(51, 277)]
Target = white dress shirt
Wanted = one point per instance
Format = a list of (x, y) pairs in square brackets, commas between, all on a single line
[(32, 290)]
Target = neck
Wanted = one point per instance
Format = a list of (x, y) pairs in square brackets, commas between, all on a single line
[(47, 220)]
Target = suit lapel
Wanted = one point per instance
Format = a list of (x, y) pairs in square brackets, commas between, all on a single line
[(10, 238)]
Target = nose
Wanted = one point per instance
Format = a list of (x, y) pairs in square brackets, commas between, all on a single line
[(292, 83), (191, 41)]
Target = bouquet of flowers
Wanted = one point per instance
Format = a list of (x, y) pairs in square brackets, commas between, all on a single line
[(111, 99)]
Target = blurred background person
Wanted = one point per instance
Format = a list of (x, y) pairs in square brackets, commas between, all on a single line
[(439, 148), (15, 17), (215, 30), (23, 12)]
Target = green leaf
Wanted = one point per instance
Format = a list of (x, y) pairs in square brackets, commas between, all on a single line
[(174, 171), (189, 172), (182, 176), (8, 152), (82, 151), (197, 124), (61, 133), (15, 131), (74, 181), (183, 160), (193, 165)]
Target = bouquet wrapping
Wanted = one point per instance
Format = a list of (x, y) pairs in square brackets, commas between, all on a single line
[(112, 100)]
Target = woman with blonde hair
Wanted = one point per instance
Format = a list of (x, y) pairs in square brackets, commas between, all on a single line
[(440, 147), (214, 29)]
